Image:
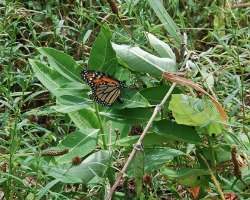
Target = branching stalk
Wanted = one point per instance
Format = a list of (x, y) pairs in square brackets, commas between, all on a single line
[(139, 142)]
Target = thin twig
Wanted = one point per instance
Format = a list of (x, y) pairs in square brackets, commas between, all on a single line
[(213, 178), (241, 5)]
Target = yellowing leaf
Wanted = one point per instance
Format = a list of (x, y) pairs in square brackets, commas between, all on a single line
[(195, 112)]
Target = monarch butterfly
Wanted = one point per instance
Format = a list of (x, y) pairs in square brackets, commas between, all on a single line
[(105, 89)]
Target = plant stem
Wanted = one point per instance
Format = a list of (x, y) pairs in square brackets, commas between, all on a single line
[(101, 126), (139, 142), (13, 147), (213, 178), (212, 152)]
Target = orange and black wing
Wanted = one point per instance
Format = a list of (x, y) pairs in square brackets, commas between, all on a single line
[(105, 89)]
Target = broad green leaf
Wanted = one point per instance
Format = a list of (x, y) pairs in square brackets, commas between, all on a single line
[(93, 166), (73, 86), (79, 143), (177, 132), (195, 112), (155, 157), (54, 81), (212, 128), (73, 91), (135, 100), (154, 95), (166, 20), (69, 103), (183, 173), (131, 100), (84, 118), (62, 63), (142, 61), (123, 74), (188, 177), (129, 115), (102, 55), (49, 77), (161, 47), (223, 153)]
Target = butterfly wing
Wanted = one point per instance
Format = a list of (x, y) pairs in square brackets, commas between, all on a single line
[(105, 89), (106, 94)]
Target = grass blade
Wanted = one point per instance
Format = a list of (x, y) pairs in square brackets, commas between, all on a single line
[(166, 20)]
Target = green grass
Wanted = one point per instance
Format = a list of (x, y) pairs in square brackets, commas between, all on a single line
[(34, 107)]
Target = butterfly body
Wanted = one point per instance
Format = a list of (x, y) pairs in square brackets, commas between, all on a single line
[(105, 89)]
